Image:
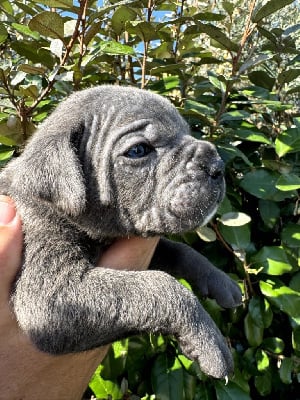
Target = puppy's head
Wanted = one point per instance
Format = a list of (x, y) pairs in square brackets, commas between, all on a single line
[(121, 161), (165, 181)]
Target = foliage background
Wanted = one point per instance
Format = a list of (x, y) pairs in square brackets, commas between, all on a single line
[(232, 68)]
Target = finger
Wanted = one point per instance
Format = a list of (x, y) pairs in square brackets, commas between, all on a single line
[(10, 244), (129, 253)]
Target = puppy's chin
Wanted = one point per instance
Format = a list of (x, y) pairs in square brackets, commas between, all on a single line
[(182, 213)]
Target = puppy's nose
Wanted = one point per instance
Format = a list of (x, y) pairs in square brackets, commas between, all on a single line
[(216, 169)]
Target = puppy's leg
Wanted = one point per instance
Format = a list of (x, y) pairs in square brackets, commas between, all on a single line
[(65, 304), (182, 261)]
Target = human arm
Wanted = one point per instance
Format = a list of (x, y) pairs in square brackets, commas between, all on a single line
[(26, 372)]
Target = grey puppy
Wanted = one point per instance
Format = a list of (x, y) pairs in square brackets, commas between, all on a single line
[(113, 162)]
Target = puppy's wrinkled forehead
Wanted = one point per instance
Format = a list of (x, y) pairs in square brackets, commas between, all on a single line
[(126, 107)]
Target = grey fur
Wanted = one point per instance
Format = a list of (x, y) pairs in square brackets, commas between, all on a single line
[(77, 190)]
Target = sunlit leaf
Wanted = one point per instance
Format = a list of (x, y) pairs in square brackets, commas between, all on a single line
[(283, 297), (273, 345), (235, 219), (206, 234), (56, 47), (262, 360), (120, 17), (291, 235), (251, 135), (48, 23), (273, 260), (288, 182), (288, 75), (115, 48), (25, 30), (288, 142), (262, 184), (3, 33), (269, 8), (56, 3)]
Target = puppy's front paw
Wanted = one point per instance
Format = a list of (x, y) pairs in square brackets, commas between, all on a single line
[(210, 350), (223, 289)]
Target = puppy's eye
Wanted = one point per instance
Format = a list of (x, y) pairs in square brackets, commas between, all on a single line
[(139, 150)]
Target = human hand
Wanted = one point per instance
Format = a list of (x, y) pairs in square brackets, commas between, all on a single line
[(25, 372)]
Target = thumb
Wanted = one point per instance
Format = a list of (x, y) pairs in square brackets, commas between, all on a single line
[(10, 243)]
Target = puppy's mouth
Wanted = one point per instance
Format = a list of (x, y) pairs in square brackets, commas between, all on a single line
[(194, 204)]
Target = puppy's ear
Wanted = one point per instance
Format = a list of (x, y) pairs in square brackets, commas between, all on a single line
[(49, 169)]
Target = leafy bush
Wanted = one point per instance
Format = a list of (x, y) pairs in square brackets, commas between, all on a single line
[(232, 68)]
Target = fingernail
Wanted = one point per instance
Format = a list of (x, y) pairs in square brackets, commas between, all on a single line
[(7, 211)]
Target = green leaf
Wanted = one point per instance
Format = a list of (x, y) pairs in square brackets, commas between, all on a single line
[(231, 391), (3, 33), (269, 212), (283, 297), (103, 388), (256, 60), (290, 235), (56, 3), (262, 360), (145, 30), (206, 234), (229, 152), (49, 24), (6, 5), (288, 142), (167, 378), (219, 36), (273, 260), (296, 339), (31, 69), (263, 383), (269, 8), (217, 83), (25, 30), (214, 33), (235, 219), (295, 282), (288, 75), (5, 153), (251, 135), (115, 48), (262, 79), (237, 236), (260, 312), (120, 17), (236, 115), (262, 184), (199, 107), (228, 7), (273, 345), (253, 332), (285, 370), (288, 182)]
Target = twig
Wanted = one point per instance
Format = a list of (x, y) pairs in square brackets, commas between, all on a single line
[(150, 8), (235, 62), (75, 36)]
